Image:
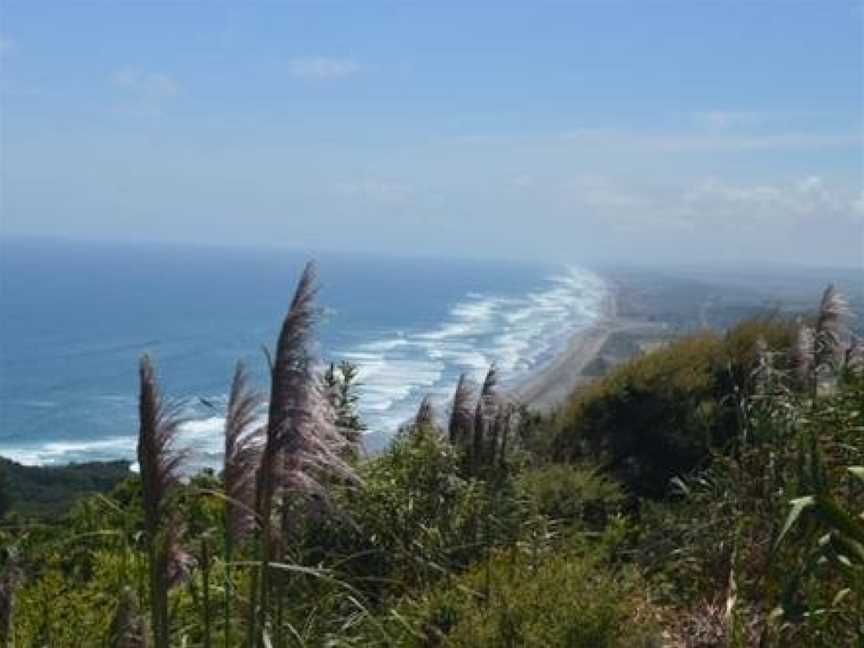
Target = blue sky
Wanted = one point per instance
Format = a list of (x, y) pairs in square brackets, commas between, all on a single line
[(682, 131)]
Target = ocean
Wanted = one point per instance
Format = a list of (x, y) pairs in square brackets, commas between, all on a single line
[(75, 317)]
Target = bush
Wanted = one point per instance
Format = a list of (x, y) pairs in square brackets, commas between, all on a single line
[(567, 599), (413, 518), (802, 586), (573, 493), (658, 416), (48, 492)]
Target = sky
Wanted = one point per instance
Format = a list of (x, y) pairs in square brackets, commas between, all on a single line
[(580, 131)]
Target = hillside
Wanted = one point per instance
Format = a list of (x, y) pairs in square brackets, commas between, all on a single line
[(51, 491), (704, 494)]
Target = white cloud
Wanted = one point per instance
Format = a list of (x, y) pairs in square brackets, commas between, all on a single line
[(603, 193), (383, 192), (726, 119), (621, 141), (711, 204), (806, 201), (711, 142), (522, 181), (150, 86), (322, 68)]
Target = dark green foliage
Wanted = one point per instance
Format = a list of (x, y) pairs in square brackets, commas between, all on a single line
[(574, 494), (51, 491), (727, 522), (565, 599), (415, 517), (660, 415), (340, 383), (650, 419), (5, 498)]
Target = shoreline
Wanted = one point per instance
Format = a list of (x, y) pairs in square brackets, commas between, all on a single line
[(551, 384), (542, 389)]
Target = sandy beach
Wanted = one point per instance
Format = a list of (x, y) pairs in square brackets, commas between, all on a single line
[(554, 382)]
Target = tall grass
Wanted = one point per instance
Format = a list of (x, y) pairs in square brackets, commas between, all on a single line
[(461, 425), (768, 545), (301, 441), (243, 447), (425, 416), (474, 536), (484, 414), (830, 329), (158, 460)]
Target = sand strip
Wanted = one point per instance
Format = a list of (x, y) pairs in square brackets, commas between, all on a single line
[(550, 385)]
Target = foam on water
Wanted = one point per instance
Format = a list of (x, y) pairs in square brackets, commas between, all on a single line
[(62, 452), (202, 438), (517, 332)]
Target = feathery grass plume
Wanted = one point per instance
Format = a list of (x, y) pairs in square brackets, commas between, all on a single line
[(315, 455), (805, 350), (243, 446), (425, 416), (830, 327), (484, 411), (315, 446), (178, 563), (287, 376), (301, 439), (158, 462), (128, 628), (499, 433), (461, 426), (510, 410), (854, 360), (318, 449), (767, 378)]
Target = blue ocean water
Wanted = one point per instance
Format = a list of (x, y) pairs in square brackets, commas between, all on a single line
[(75, 317)]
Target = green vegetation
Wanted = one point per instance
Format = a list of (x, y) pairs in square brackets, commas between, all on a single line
[(535, 599), (706, 494), (659, 415), (50, 491)]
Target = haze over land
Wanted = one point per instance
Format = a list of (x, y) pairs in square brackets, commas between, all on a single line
[(639, 131)]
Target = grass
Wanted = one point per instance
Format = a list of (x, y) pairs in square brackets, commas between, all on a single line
[(699, 495)]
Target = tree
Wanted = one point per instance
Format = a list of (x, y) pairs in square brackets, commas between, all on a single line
[(340, 385)]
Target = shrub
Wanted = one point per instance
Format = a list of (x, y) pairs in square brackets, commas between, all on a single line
[(773, 527), (567, 599), (652, 418), (49, 491), (413, 518), (658, 416), (572, 493)]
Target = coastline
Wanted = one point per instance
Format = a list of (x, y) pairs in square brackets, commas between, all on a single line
[(552, 383), (548, 387)]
